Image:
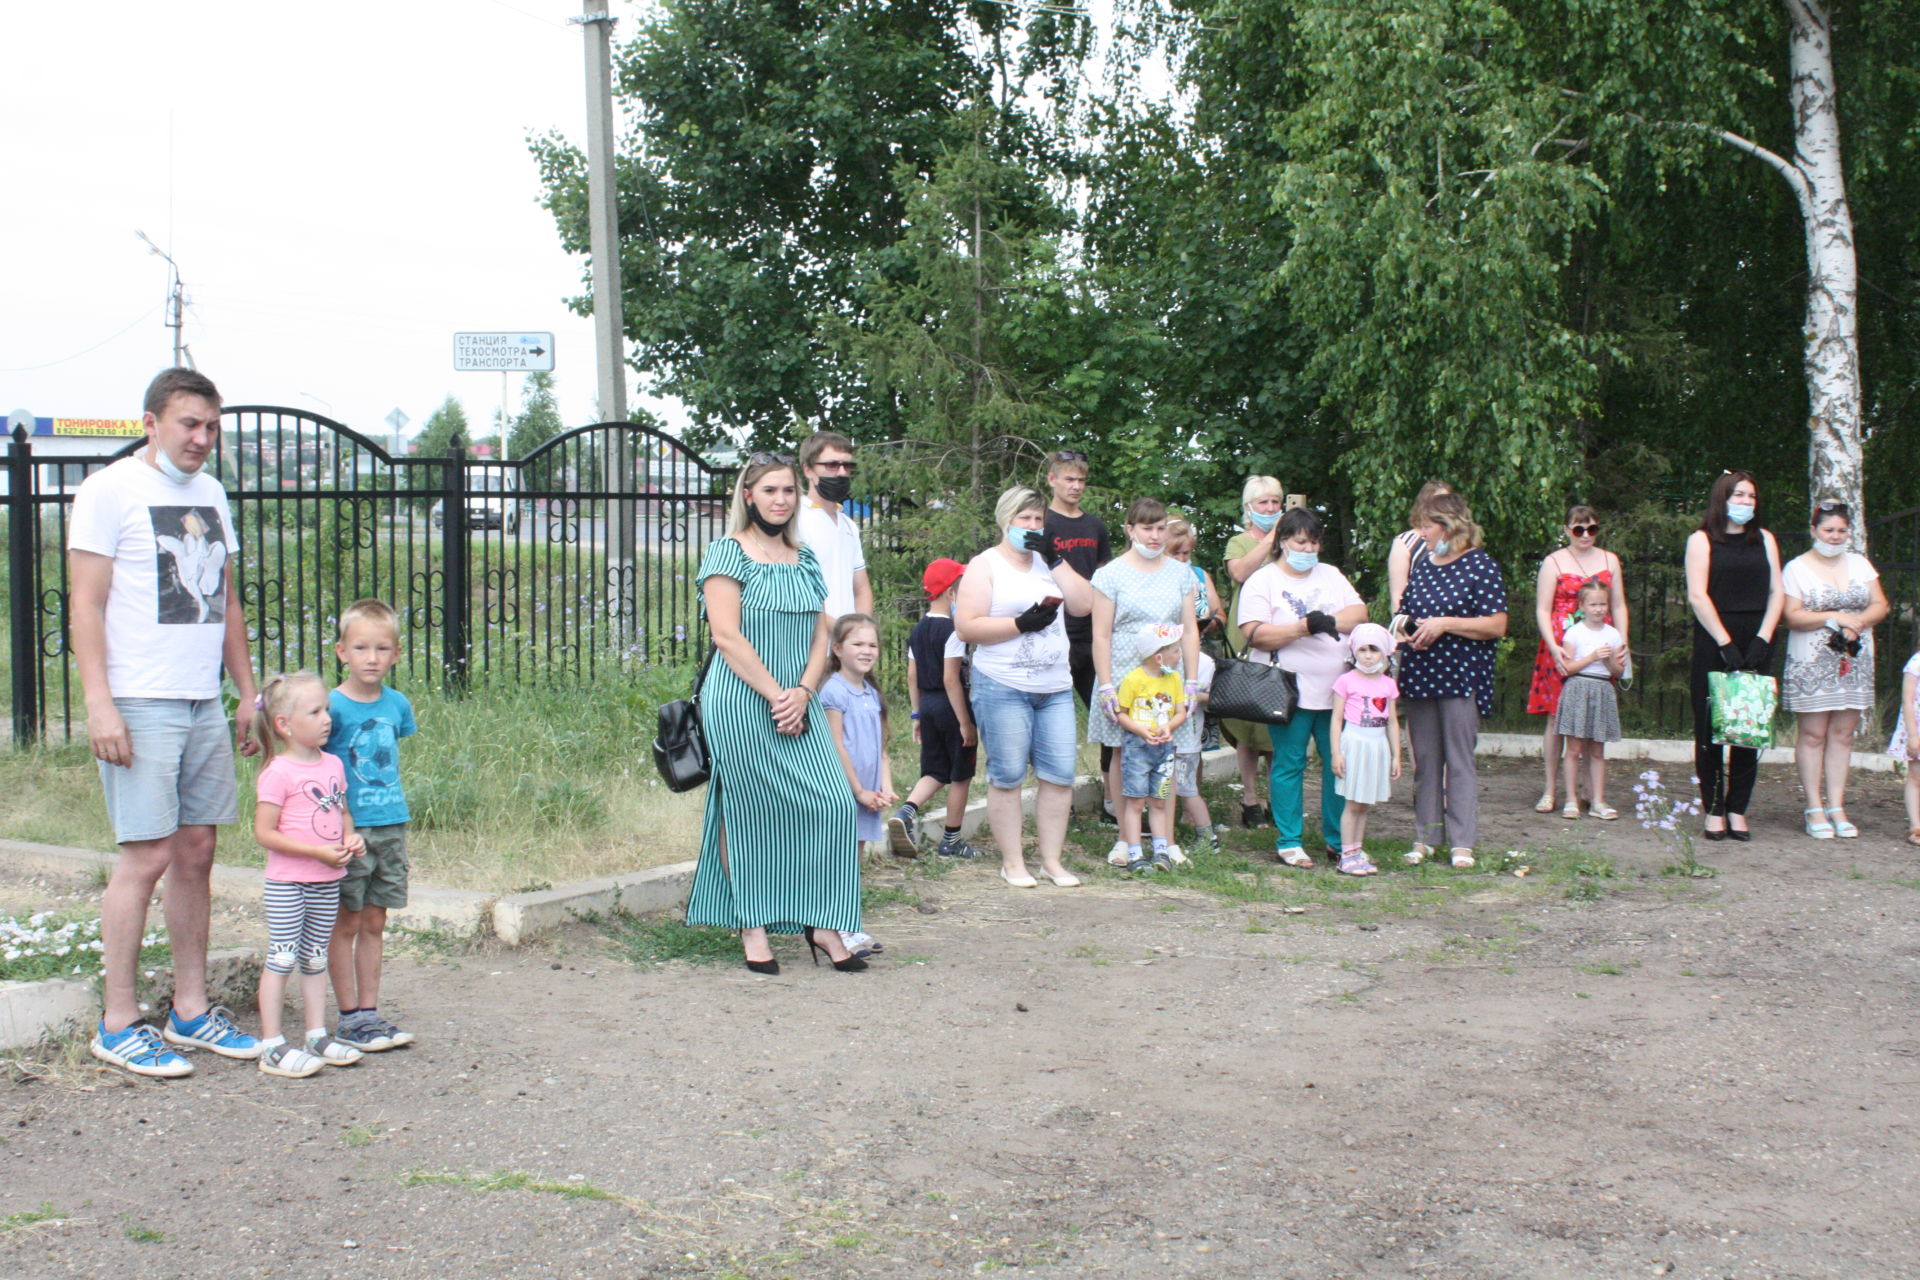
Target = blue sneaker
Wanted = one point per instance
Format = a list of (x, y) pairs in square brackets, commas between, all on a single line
[(138, 1049), (213, 1030)]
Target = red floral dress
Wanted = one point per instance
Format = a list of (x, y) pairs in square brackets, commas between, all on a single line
[(1543, 699)]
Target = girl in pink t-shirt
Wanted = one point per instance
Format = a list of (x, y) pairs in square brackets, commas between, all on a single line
[(1366, 741), (301, 820)]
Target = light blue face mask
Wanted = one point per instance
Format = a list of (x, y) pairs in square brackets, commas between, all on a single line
[(1740, 512), (1441, 548), (1021, 539), (1302, 561), (1264, 520), (169, 469)]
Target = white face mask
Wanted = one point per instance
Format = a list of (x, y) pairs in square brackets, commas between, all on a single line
[(1148, 553), (1442, 548), (1373, 668), (1831, 550)]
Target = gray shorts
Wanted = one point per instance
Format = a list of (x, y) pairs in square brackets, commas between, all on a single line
[(377, 878), (182, 770), (1186, 774)]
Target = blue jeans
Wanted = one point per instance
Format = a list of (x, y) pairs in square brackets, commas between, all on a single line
[(1284, 782), (1018, 728), (1145, 768)]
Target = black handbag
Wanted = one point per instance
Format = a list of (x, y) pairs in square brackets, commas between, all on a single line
[(680, 748), (1263, 692)]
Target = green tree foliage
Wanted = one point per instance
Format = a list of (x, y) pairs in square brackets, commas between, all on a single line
[(443, 424), (539, 418)]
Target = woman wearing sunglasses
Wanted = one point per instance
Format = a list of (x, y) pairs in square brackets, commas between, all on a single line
[(1556, 601)]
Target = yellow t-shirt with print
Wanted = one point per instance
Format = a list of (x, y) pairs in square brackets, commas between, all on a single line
[(1152, 700)]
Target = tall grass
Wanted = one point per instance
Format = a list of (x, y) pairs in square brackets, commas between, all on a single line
[(511, 787)]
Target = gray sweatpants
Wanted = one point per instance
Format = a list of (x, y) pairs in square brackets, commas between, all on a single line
[(1446, 791)]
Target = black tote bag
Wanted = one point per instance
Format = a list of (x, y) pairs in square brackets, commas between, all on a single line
[(1263, 692), (680, 746)]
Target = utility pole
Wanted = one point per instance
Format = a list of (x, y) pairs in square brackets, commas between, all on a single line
[(609, 326), (176, 303)]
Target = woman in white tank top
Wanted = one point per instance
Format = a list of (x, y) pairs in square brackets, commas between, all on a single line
[(1008, 608)]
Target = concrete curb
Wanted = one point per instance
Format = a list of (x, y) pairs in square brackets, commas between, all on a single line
[(32, 1013), (461, 913), (521, 917)]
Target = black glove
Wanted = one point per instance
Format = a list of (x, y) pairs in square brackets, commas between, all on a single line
[(1759, 654), (1046, 546), (1321, 624), (1037, 618), (1730, 655), (1838, 642)]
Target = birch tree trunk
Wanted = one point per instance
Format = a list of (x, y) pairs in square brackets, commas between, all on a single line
[(1831, 359)]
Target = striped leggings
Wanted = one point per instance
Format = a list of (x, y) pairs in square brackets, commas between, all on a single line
[(300, 924)]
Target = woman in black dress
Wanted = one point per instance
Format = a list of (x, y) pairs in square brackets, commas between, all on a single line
[(1733, 584)]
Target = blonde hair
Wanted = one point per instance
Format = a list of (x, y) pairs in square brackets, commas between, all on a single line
[(376, 613), (737, 519), (1179, 530), (1450, 512), (275, 695), (1428, 492), (1258, 487), (1015, 500), (1593, 584)]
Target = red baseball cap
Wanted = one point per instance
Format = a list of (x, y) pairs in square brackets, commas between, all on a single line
[(940, 575)]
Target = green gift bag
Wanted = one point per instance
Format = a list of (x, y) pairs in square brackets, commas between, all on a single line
[(1742, 705)]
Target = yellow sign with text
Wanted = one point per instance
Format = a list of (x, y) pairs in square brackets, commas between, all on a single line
[(98, 427)]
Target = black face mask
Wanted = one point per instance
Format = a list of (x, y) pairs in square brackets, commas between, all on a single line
[(765, 525), (833, 488)]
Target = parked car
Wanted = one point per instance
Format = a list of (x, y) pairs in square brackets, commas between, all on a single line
[(491, 503)]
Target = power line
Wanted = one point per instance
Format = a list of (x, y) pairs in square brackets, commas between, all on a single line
[(29, 368)]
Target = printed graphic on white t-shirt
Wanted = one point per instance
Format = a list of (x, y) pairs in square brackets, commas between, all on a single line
[(190, 559)]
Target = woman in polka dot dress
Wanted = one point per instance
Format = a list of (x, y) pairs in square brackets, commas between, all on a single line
[(1455, 608)]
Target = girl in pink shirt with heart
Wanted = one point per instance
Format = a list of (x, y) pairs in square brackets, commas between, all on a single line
[(1366, 741)]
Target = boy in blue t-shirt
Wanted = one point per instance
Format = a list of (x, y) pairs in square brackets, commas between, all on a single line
[(369, 720)]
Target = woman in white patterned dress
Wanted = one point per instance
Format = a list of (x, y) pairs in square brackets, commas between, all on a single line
[(1143, 585), (1833, 601)]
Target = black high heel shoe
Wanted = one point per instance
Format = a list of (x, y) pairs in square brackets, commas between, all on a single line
[(769, 967), (852, 964)]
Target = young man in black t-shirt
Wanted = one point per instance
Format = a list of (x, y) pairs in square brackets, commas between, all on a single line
[(1081, 540)]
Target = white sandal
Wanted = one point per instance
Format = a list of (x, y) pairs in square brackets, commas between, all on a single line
[(1462, 858), (1417, 855), (1545, 803)]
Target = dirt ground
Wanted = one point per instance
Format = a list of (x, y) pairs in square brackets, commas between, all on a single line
[(1656, 1076)]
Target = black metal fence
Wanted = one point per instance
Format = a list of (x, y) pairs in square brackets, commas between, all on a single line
[(580, 556)]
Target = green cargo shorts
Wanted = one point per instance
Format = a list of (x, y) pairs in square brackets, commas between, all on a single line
[(378, 878)]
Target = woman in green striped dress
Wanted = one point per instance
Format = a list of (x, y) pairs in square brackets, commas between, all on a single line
[(777, 850)]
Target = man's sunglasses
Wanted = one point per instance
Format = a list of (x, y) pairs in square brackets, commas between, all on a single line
[(845, 467), (1584, 530), (1069, 455)]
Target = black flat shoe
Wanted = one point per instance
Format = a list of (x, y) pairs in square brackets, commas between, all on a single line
[(768, 967), (852, 964)]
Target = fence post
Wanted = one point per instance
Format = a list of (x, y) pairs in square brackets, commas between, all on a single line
[(22, 601), (456, 590)]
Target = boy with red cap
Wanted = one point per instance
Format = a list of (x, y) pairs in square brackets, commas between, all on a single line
[(942, 720)]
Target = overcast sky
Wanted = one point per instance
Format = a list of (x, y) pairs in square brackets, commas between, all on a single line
[(344, 186)]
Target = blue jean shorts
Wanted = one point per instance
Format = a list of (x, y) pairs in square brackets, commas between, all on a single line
[(1146, 768), (1018, 729), (182, 770)]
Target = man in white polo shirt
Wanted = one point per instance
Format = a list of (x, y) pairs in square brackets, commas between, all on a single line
[(155, 614), (826, 460)]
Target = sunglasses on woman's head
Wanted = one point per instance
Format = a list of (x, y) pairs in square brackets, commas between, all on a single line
[(1584, 530), (764, 459)]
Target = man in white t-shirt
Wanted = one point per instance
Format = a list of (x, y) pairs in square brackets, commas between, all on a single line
[(826, 460), (154, 615)]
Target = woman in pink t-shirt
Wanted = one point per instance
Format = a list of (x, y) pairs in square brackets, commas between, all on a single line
[(301, 820), (1293, 613)]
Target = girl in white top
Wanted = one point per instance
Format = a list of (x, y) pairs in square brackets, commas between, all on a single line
[(1833, 601), (1905, 746), (1588, 717), (1008, 608)]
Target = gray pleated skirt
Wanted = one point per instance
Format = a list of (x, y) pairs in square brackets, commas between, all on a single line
[(1369, 777), (1589, 709)]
